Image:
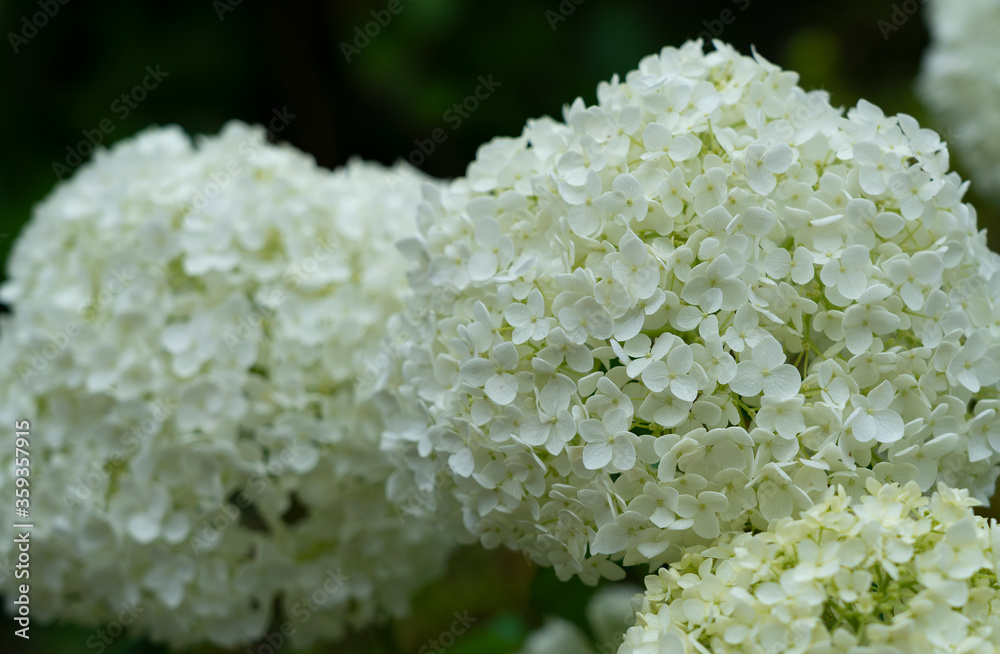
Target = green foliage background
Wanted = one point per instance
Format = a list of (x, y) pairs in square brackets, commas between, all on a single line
[(245, 60)]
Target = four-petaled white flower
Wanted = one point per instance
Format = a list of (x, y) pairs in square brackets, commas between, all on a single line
[(609, 442), (766, 371), (586, 319), (763, 163), (704, 511), (554, 426), (872, 419), (869, 318), (528, 319), (493, 374), (673, 374)]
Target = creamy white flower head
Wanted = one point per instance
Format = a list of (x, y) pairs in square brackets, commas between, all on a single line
[(694, 307), (960, 82), (891, 572), (191, 323)]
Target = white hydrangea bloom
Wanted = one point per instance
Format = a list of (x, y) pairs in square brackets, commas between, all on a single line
[(693, 308), (892, 572), (960, 82), (190, 324)]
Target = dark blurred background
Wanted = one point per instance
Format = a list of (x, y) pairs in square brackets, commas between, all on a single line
[(237, 59), (66, 66)]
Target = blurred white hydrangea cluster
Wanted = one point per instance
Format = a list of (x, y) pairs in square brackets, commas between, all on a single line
[(960, 81), (893, 572), (609, 614), (694, 307), (190, 325)]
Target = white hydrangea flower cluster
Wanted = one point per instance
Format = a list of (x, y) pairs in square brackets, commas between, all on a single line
[(893, 572), (190, 326), (960, 82), (694, 307)]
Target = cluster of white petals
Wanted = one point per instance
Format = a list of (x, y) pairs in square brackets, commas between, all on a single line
[(692, 309), (960, 82), (892, 572), (190, 325)]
